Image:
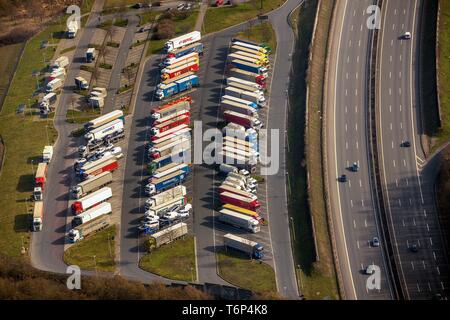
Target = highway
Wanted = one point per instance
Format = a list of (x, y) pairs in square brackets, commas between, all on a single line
[(409, 192), (354, 211)]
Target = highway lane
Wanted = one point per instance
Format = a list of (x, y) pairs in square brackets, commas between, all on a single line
[(410, 198), (47, 246), (353, 208)]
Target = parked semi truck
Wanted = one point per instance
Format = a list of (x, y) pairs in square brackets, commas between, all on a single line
[(226, 188), (169, 132), (178, 86), (172, 61), (91, 214), (89, 228), (242, 119), (258, 58), (244, 211), (60, 62), (104, 119), (72, 29), (241, 101), (245, 87), (53, 85), (170, 148), (161, 209), (182, 41), (111, 128), (252, 84), (257, 47), (163, 161), (237, 48), (90, 185), (169, 73), (179, 113), (246, 95), (91, 200), (195, 47), (240, 201), (165, 183), (251, 67), (239, 220), (228, 105), (159, 175), (255, 60), (252, 248), (38, 216), (167, 235), (166, 196), (172, 107), (97, 167), (184, 132), (47, 154), (248, 76), (175, 122), (39, 181)]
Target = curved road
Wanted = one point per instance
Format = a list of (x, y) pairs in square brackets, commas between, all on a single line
[(409, 192), (353, 209)]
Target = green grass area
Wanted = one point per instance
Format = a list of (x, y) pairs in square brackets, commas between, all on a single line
[(118, 3), (238, 269), (444, 69), (308, 210), (10, 56), (113, 44), (25, 137), (260, 33), (105, 24), (105, 66), (223, 17), (121, 22), (182, 26), (175, 260), (68, 49), (148, 17), (95, 252), (75, 116)]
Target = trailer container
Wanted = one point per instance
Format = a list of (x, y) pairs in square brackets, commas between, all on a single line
[(165, 126), (195, 47), (90, 185), (161, 209), (252, 248), (91, 200), (172, 61), (239, 220), (91, 214), (256, 53), (242, 119), (38, 216), (248, 76), (169, 73), (251, 213), (172, 107), (246, 95), (244, 87), (89, 228), (240, 201), (182, 41), (111, 128), (104, 119), (167, 235), (165, 183), (247, 66), (97, 167), (228, 105)]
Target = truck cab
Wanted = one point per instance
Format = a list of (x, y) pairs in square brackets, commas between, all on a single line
[(258, 251)]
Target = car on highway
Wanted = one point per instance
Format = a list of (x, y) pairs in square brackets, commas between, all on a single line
[(406, 35), (343, 178), (413, 248), (375, 242), (406, 144), (354, 167)]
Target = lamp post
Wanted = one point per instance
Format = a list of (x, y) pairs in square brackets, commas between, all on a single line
[(292, 225)]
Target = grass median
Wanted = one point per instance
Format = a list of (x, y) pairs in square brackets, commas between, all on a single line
[(95, 252), (316, 277), (174, 261), (260, 33), (218, 18), (237, 269), (10, 56)]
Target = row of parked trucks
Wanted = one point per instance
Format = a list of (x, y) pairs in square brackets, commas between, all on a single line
[(179, 67), (244, 96), (99, 159)]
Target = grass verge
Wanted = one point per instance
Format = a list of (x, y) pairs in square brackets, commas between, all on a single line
[(24, 146), (76, 116), (10, 57), (68, 49), (218, 18), (444, 70), (95, 252), (317, 279), (174, 261), (238, 269)]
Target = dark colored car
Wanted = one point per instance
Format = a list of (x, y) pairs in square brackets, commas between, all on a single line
[(343, 178), (406, 144), (413, 248)]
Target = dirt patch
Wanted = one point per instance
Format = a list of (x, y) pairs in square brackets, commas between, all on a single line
[(2, 151)]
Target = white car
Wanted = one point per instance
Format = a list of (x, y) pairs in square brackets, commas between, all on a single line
[(170, 215), (151, 215), (184, 213), (407, 35)]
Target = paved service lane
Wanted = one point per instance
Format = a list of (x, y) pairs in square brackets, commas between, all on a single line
[(353, 208), (411, 204)]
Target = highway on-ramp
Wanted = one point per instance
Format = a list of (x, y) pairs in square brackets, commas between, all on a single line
[(353, 203), (409, 193)]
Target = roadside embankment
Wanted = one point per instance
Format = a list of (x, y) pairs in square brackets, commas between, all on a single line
[(312, 250)]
